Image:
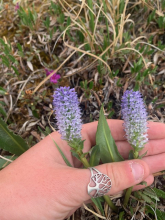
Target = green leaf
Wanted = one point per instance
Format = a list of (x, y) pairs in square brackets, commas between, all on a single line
[(74, 154), (159, 214), (145, 198), (97, 202), (11, 142), (131, 210), (105, 141), (111, 114), (95, 156), (91, 15), (62, 154), (144, 183), (35, 113), (11, 58), (131, 155), (91, 85), (151, 193), (160, 193), (121, 215), (4, 163), (15, 70), (5, 60), (19, 47), (3, 91), (2, 111), (47, 130), (2, 42), (143, 155)]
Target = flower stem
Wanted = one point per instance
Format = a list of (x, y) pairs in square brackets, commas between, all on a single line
[(129, 190), (110, 203), (127, 195), (84, 162), (136, 154)]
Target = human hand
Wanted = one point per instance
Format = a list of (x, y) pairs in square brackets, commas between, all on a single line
[(39, 185)]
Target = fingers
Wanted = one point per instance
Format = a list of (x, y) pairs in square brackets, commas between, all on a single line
[(156, 134), (155, 131), (50, 150), (156, 163), (149, 180), (122, 174), (153, 147)]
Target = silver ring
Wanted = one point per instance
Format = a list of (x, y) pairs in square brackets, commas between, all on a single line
[(99, 184)]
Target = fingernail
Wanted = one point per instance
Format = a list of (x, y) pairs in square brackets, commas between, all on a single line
[(137, 170)]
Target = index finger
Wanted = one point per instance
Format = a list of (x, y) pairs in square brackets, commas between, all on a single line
[(156, 130)]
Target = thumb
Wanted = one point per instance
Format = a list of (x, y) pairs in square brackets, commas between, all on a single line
[(122, 174)]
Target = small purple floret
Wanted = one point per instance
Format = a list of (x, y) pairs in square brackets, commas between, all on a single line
[(54, 78), (68, 115), (17, 6), (134, 115)]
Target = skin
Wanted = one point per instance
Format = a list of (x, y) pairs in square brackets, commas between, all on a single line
[(39, 185)]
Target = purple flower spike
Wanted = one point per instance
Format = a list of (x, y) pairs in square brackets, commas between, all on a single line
[(135, 118), (66, 106), (54, 78)]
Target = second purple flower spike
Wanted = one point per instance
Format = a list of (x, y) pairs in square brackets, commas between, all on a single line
[(135, 119)]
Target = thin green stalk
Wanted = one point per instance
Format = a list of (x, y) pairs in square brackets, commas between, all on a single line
[(91, 22), (110, 203), (85, 162), (136, 154), (107, 26), (127, 195), (129, 190)]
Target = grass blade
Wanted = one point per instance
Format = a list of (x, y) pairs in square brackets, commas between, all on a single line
[(62, 154)]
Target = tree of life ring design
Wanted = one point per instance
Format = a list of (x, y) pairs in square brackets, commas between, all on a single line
[(99, 184)]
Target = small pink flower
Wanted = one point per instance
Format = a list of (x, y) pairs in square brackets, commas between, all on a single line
[(54, 78), (17, 7)]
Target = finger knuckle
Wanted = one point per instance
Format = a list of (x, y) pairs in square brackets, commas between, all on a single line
[(115, 176)]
